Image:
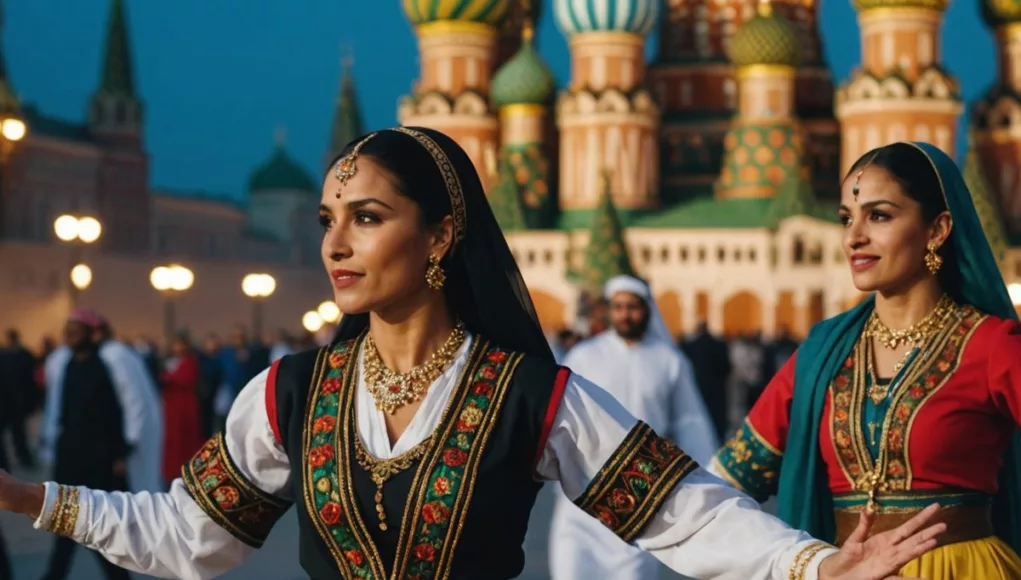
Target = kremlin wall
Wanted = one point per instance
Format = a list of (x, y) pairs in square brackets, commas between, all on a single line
[(712, 171)]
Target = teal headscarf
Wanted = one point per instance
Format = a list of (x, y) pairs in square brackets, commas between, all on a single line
[(804, 498)]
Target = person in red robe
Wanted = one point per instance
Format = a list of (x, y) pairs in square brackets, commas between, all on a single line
[(914, 396), (183, 430)]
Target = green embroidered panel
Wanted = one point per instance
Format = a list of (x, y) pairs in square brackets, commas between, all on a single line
[(222, 491), (631, 486), (750, 463)]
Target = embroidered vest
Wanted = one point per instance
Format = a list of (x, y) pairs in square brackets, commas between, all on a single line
[(459, 512)]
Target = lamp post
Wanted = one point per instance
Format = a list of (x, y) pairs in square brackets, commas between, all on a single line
[(12, 130), (258, 287), (79, 232), (170, 281)]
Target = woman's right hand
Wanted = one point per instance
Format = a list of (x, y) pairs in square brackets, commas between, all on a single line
[(20, 496)]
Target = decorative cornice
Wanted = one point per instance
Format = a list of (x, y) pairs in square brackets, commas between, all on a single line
[(612, 101), (468, 103), (933, 84)]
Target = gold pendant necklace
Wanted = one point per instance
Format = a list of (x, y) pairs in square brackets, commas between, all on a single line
[(915, 334), (381, 470), (391, 390)]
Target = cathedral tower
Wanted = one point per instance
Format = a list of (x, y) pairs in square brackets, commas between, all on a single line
[(457, 47), (900, 92), (523, 89), (996, 117), (607, 120), (347, 115), (765, 146), (115, 114)]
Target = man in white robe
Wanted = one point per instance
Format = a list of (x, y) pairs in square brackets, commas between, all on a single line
[(136, 392), (143, 410), (638, 362)]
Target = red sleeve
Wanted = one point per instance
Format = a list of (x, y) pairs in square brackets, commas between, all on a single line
[(556, 396), (751, 459), (770, 416), (271, 401), (1004, 349)]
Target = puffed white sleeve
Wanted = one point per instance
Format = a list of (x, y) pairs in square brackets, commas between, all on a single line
[(650, 493), (220, 511)]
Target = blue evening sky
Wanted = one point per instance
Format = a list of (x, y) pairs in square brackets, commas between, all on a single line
[(219, 77)]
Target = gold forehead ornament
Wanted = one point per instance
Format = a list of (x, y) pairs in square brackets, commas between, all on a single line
[(346, 167)]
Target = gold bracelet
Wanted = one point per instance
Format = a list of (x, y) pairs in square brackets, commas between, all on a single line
[(71, 517), (803, 558), (65, 513)]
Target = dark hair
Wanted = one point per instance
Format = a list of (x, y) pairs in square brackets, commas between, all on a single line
[(412, 171), (915, 173)]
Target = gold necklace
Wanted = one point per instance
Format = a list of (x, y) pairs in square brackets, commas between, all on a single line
[(381, 470), (878, 392), (915, 334), (391, 390)]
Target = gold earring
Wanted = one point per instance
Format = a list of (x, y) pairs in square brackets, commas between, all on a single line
[(435, 277), (933, 261)]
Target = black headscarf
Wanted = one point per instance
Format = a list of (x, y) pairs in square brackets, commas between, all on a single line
[(484, 286)]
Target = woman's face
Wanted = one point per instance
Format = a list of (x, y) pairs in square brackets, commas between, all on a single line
[(885, 234), (375, 247)]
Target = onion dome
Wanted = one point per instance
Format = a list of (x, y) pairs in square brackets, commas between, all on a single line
[(525, 78), (767, 38), (490, 12), (1000, 12), (580, 16), (281, 173), (937, 5)]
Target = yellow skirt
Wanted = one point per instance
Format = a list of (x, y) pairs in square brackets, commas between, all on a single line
[(985, 559)]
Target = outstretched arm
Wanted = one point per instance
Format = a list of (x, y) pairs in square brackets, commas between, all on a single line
[(212, 519), (651, 493)]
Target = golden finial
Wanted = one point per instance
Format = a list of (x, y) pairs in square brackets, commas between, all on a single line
[(765, 8), (528, 27)]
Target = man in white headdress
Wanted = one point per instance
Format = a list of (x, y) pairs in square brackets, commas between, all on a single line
[(638, 362)]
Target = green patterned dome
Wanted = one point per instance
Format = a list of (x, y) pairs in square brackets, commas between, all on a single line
[(767, 38), (606, 253), (760, 157), (525, 78), (1000, 12), (281, 172)]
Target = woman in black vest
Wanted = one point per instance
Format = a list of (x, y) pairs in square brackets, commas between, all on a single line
[(416, 442)]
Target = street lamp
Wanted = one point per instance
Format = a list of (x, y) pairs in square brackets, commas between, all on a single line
[(328, 311), (79, 232), (312, 321), (170, 281), (258, 287), (12, 130), (81, 277)]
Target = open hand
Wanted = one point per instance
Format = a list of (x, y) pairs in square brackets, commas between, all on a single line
[(882, 555)]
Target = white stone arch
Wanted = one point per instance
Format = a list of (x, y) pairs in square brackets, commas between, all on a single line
[(863, 87), (585, 102), (933, 83), (613, 101), (433, 104), (642, 102), (470, 103), (894, 87)]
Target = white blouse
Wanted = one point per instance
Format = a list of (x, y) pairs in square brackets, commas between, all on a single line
[(704, 529)]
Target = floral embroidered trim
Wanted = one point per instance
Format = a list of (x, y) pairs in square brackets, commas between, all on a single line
[(633, 483), (750, 463), (933, 366), (234, 503), (442, 504), (329, 504)]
